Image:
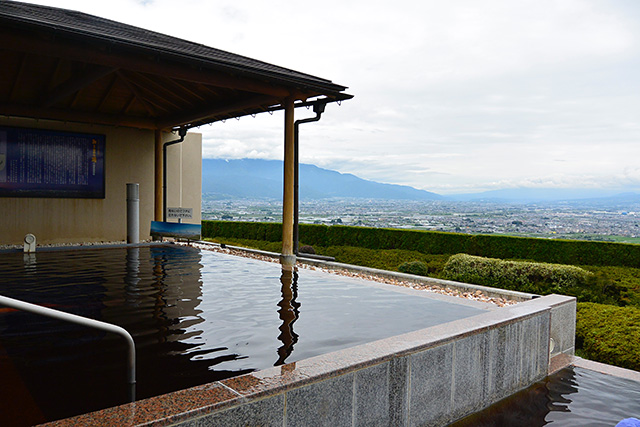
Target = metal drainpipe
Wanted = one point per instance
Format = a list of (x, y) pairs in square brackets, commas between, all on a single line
[(318, 108), (182, 132)]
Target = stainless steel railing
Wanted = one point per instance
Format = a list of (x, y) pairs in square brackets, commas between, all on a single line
[(84, 321)]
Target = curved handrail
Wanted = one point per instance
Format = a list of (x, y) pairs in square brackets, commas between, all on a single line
[(84, 321)]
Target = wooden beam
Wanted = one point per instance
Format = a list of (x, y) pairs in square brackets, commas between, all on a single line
[(74, 84), (171, 121), (54, 74), (136, 92), (153, 86), (16, 80), (135, 62), (287, 192), (107, 92), (205, 88), (77, 116), (183, 88), (132, 99)]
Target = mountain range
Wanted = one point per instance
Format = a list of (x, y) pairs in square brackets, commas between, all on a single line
[(253, 178), (262, 179)]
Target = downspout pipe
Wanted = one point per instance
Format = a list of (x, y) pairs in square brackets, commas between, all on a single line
[(318, 108), (182, 132)]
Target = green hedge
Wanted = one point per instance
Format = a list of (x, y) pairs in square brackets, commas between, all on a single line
[(609, 334), (432, 242), (418, 268), (540, 278), (266, 231), (384, 259)]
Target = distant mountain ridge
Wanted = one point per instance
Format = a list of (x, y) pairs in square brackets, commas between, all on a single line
[(549, 195), (254, 178), (262, 179)]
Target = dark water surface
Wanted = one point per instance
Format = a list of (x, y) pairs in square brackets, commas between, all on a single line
[(195, 316), (572, 397)]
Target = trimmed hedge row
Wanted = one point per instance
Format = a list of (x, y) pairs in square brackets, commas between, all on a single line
[(266, 231), (432, 242), (520, 276), (609, 334), (418, 268)]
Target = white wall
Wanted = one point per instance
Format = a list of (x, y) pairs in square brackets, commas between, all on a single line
[(184, 175)]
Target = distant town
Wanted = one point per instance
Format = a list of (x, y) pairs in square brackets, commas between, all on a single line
[(584, 220)]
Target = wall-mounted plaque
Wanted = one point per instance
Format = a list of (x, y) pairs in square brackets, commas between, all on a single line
[(46, 163)]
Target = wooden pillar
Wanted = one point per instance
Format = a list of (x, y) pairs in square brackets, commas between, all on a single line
[(157, 211), (287, 258)]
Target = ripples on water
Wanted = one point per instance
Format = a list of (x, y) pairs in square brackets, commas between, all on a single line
[(572, 397), (196, 317)]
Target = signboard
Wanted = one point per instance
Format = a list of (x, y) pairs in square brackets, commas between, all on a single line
[(182, 213), (46, 163), (176, 230)]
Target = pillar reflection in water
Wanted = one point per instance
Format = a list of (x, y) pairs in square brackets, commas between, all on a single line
[(289, 312), (132, 275)]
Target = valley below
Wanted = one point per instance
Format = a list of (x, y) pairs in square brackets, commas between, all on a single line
[(582, 219)]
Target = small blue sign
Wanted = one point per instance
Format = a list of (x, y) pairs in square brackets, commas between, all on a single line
[(176, 229)]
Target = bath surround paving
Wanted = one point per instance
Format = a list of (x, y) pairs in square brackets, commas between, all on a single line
[(428, 377)]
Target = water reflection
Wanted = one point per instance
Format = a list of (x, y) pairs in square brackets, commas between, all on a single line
[(30, 263), (132, 276), (529, 407), (289, 312)]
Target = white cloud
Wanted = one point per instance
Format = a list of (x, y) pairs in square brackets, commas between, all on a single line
[(451, 96)]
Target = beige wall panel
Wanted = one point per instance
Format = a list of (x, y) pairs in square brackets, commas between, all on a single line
[(184, 179), (129, 157), (192, 175)]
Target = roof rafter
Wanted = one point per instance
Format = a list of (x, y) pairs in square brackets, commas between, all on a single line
[(54, 74), (74, 84), (151, 109), (19, 74), (154, 87), (114, 79), (184, 88)]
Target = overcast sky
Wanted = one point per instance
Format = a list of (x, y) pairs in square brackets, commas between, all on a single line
[(450, 96)]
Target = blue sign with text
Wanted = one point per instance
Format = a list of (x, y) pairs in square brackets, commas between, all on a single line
[(46, 163)]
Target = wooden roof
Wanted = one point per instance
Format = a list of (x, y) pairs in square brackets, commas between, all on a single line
[(66, 65)]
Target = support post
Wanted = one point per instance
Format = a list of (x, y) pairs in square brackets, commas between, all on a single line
[(287, 258), (157, 211), (133, 213)]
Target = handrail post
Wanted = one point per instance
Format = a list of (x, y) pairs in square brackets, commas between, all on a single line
[(84, 321)]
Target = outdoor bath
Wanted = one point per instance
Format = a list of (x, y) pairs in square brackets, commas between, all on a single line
[(197, 317)]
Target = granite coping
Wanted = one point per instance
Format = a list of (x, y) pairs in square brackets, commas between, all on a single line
[(562, 361), (603, 368), (201, 400), (158, 411)]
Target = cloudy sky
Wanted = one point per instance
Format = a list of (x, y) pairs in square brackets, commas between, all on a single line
[(450, 96)]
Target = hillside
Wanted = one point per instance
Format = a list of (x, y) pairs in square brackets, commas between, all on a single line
[(252, 178)]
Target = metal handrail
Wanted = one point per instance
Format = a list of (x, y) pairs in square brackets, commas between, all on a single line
[(84, 321)]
